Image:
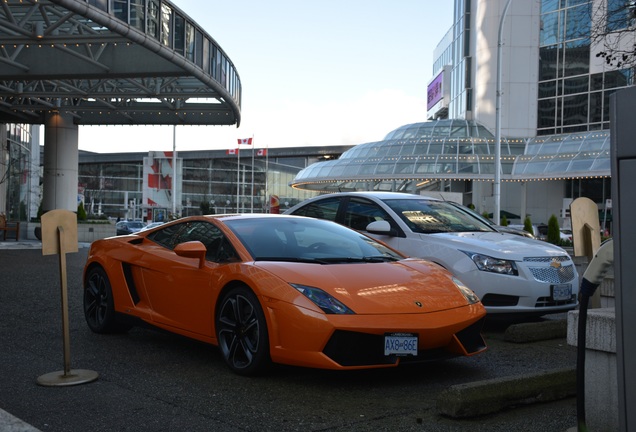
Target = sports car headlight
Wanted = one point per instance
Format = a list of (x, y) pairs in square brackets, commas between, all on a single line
[(467, 292), (323, 300), (494, 265)]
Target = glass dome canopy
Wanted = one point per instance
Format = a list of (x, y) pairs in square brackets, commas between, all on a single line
[(576, 155), (440, 149), (416, 155)]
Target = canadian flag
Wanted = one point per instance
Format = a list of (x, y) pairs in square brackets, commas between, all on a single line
[(231, 151), (247, 141), (261, 152)]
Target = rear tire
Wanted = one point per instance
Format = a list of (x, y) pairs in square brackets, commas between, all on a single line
[(242, 333)]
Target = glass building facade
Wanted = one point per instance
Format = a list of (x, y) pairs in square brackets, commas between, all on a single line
[(571, 98), (113, 184), (15, 169)]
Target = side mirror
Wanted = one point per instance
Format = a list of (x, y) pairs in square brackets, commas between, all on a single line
[(380, 227), (192, 249)]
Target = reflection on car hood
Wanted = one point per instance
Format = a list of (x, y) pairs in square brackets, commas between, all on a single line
[(382, 288), (509, 246)]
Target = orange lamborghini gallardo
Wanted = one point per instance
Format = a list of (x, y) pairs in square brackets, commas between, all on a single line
[(281, 289)]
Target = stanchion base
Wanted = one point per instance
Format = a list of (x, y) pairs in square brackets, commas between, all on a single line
[(73, 377)]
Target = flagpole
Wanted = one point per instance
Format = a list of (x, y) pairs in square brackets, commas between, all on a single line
[(238, 176), (267, 176), (252, 173), (174, 171)]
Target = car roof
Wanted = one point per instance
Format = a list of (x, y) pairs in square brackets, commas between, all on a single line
[(382, 195)]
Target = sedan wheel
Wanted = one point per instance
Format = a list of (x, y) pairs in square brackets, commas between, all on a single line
[(242, 332), (99, 306)]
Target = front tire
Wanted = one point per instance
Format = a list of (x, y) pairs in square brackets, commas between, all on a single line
[(241, 330), (99, 306)]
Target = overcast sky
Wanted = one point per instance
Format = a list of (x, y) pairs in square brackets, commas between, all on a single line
[(313, 73)]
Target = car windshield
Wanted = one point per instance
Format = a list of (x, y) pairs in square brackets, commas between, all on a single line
[(307, 240), (429, 217), (135, 224)]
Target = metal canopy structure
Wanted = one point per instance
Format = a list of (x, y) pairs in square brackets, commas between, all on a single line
[(112, 62)]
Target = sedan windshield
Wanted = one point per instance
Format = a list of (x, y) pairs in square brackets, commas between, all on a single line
[(307, 240), (430, 217)]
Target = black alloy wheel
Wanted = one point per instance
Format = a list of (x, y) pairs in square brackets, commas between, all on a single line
[(99, 306), (242, 332)]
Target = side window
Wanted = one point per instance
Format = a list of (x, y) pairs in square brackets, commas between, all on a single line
[(361, 212), (167, 237), (321, 209), (218, 247)]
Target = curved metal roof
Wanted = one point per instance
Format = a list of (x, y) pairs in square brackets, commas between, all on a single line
[(112, 62), (456, 150)]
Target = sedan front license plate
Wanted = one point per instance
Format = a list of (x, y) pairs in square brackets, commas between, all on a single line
[(400, 344), (561, 292)]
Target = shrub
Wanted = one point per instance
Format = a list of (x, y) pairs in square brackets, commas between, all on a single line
[(504, 221), (554, 232), (81, 213), (527, 225)]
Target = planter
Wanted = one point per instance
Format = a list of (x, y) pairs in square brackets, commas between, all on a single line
[(86, 233)]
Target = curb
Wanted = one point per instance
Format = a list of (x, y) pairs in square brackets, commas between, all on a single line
[(489, 396), (533, 332), (9, 423)]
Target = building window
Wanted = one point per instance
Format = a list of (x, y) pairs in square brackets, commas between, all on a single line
[(619, 15)]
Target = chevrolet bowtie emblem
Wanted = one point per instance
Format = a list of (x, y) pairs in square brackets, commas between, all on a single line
[(555, 264)]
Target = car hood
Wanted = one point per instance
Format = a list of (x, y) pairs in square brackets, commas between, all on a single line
[(497, 244), (408, 286)]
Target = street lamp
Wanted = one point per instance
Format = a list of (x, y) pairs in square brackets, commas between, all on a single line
[(497, 191)]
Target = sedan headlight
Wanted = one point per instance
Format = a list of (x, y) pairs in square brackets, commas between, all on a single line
[(467, 292), (494, 265), (325, 301)]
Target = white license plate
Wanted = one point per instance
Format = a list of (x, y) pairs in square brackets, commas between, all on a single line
[(561, 292), (400, 344)]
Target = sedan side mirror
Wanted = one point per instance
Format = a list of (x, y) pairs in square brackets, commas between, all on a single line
[(192, 249), (381, 227)]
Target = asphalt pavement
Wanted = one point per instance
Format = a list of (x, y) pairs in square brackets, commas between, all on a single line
[(152, 381)]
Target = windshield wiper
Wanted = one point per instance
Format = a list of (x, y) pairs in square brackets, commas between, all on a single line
[(291, 259), (365, 259)]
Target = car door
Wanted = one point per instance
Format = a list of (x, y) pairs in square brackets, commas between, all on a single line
[(358, 213), (181, 294)]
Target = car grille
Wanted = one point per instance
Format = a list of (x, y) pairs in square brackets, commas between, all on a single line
[(349, 348), (549, 274)]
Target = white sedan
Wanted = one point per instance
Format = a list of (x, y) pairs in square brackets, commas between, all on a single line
[(510, 273)]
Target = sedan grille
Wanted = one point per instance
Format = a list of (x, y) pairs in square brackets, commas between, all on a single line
[(549, 273), (553, 275)]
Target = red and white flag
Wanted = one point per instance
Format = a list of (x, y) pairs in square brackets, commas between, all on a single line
[(247, 141), (261, 152), (232, 151)]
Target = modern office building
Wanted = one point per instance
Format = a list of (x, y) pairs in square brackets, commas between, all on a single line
[(551, 114), (140, 185)]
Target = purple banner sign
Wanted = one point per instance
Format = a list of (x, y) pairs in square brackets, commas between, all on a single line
[(435, 91)]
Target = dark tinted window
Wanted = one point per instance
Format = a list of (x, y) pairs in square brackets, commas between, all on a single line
[(218, 247), (321, 209), (361, 212)]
